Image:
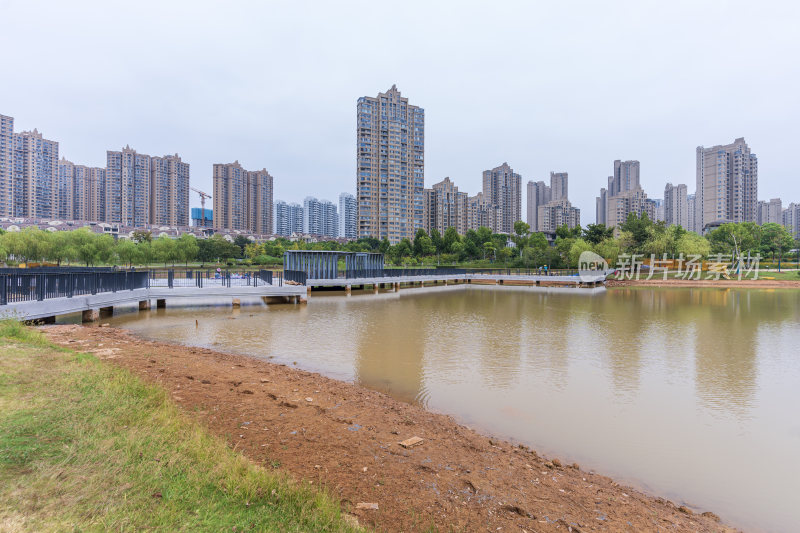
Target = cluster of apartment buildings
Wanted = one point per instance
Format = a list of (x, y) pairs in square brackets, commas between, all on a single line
[(317, 217), (132, 189), (726, 191), (392, 201)]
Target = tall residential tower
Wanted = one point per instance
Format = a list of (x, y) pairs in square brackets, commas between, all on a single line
[(242, 199), (502, 191), (348, 216), (390, 154), (727, 184)]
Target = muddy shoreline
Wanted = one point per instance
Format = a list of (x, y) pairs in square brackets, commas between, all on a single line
[(346, 439)]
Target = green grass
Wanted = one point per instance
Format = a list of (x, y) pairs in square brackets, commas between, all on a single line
[(85, 446)]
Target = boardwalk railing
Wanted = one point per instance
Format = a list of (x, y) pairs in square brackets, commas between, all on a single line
[(412, 272), (39, 285), (402, 272), (211, 278), (23, 285), (523, 272), (295, 276)]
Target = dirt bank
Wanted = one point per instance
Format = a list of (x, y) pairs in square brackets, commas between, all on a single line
[(346, 438), (719, 284)]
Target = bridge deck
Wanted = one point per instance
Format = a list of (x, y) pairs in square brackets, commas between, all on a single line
[(32, 310), (533, 280)]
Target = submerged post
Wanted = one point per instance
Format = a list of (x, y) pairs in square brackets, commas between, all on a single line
[(90, 315)]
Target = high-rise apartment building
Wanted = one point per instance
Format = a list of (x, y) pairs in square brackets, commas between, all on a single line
[(96, 209), (676, 208), (600, 205), (559, 185), (626, 177), (480, 213), (557, 210), (320, 217), (259, 202), (690, 213), (652, 207), (625, 184), (538, 194), (623, 204), (73, 195), (557, 213), (35, 171), (769, 212), (727, 184), (65, 193), (791, 219), (127, 187), (775, 211), (169, 191), (348, 216), (502, 191), (390, 154), (6, 166), (288, 218), (242, 198), (445, 207), (81, 192)]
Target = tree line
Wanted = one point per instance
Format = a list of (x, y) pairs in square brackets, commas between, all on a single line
[(480, 247)]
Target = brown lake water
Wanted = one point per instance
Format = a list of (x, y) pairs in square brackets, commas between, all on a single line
[(691, 394)]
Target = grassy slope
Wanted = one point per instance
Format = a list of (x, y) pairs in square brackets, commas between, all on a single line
[(87, 446)]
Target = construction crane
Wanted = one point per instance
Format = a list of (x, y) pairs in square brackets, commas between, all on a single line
[(203, 196)]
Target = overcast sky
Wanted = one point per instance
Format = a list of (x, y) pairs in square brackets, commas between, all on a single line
[(563, 86)]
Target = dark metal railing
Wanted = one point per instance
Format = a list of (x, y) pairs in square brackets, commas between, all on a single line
[(295, 276), (210, 278), (39, 284), (523, 271), (402, 272), (22, 285)]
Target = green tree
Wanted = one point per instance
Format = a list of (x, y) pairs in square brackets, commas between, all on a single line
[(141, 235), (538, 241), (60, 249), (165, 250), (84, 242), (186, 248), (127, 252), (437, 241), (597, 233), (241, 242), (451, 237), (400, 251), (423, 246), (640, 228), (609, 250), (489, 247), (384, 246), (775, 241), (691, 244), (578, 247), (104, 249)]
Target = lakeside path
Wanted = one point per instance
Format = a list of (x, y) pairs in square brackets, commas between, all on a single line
[(719, 284), (346, 439)]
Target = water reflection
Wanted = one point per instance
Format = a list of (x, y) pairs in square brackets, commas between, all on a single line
[(687, 391)]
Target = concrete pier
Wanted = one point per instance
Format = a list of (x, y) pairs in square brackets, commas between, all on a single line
[(90, 315), (106, 312)]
